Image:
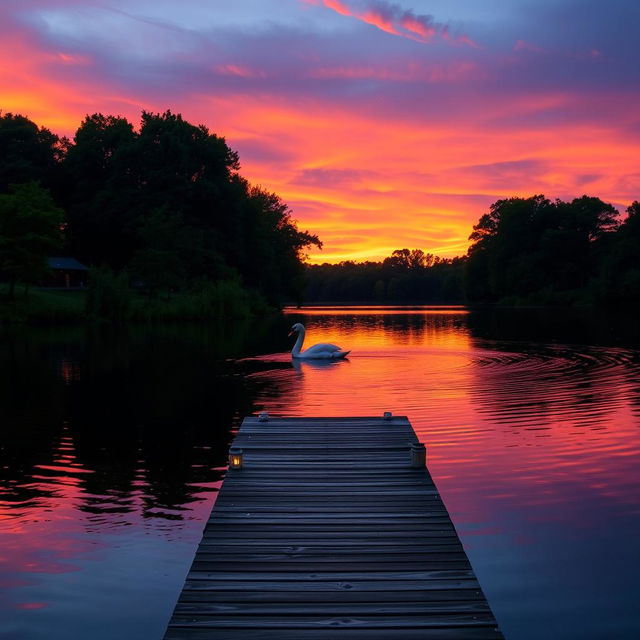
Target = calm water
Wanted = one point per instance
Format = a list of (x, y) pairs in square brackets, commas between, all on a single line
[(113, 445)]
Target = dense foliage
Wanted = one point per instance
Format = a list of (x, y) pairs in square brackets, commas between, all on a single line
[(165, 208), (28, 153), (407, 276), (30, 229), (164, 204), (534, 250)]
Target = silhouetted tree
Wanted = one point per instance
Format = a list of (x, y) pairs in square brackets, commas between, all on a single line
[(410, 259), (532, 248), (274, 247), (101, 203), (620, 264), (27, 152), (161, 263), (406, 276), (30, 228), (167, 203)]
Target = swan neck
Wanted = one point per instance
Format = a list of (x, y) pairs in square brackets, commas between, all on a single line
[(298, 345)]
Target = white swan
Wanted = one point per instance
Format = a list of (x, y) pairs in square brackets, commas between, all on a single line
[(322, 351)]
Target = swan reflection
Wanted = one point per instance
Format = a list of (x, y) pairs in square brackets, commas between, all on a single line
[(300, 364)]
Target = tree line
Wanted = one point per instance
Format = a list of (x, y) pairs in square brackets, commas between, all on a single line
[(164, 206), (163, 203), (538, 251), (406, 276), (524, 251)]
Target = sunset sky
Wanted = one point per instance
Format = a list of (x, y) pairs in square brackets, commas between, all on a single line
[(382, 124)]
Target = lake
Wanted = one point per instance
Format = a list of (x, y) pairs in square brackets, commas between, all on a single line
[(113, 443)]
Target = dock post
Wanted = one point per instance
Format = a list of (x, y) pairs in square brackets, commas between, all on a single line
[(418, 455)]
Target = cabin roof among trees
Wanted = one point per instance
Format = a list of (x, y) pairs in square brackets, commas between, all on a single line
[(70, 264)]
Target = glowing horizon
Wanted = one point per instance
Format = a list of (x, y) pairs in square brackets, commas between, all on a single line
[(380, 125)]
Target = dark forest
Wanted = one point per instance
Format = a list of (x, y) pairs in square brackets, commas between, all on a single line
[(165, 210), (164, 204)]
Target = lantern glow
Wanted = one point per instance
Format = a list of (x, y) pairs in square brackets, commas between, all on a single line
[(235, 458)]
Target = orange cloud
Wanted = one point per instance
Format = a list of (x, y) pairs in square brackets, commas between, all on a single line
[(377, 19), (36, 84), (410, 23), (367, 184), (372, 157), (422, 186)]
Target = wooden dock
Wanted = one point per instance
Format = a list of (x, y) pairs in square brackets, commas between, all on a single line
[(327, 531)]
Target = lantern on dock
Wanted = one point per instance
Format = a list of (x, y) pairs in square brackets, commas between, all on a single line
[(263, 417), (235, 458), (387, 415)]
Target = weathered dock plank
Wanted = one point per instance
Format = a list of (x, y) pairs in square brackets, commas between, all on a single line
[(327, 532)]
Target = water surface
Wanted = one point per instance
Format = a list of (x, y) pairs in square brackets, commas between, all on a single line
[(113, 445)]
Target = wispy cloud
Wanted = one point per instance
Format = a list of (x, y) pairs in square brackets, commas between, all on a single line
[(239, 71), (393, 19), (450, 72)]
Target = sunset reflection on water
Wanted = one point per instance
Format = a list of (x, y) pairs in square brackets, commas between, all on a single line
[(115, 449), (534, 448)]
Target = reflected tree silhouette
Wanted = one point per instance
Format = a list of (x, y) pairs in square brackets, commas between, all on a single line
[(135, 406)]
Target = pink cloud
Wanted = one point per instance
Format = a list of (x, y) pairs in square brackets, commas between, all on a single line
[(337, 6), (521, 45), (413, 24), (239, 71), (393, 19), (71, 59)]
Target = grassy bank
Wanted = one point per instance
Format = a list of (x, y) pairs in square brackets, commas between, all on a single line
[(43, 306), (213, 300)]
